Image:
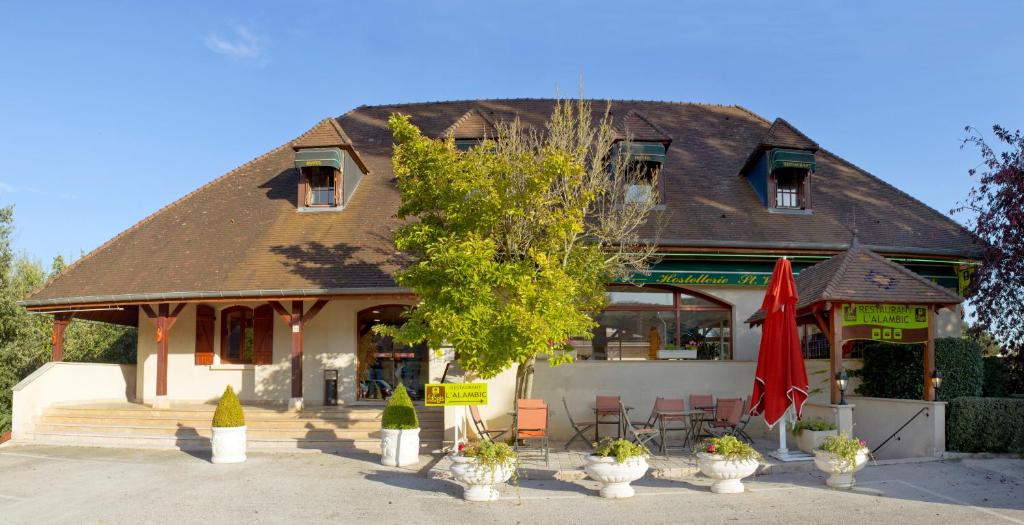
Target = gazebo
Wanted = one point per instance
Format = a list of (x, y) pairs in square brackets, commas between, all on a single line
[(860, 295)]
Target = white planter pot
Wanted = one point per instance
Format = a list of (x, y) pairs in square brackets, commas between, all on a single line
[(615, 477), (228, 444), (479, 480), (840, 470), (809, 440), (399, 448), (677, 354), (727, 473)]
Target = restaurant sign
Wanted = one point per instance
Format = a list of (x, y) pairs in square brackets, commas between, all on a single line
[(893, 323), (451, 394), (684, 278)]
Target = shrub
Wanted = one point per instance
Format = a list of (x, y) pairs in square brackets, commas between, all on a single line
[(814, 425), (894, 371), (229, 410), (844, 447), (491, 455), (985, 424), (620, 449), (399, 414), (997, 377), (728, 447)]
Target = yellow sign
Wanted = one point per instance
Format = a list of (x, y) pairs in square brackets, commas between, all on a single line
[(895, 323), (449, 394), (963, 279)]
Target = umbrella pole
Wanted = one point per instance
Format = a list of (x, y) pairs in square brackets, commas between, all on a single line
[(783, 453)]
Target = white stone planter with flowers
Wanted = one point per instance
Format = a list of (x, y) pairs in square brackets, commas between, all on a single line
[(841, 457), (727, 460), (229, 431), (480, 479), (616, 464), (400, 431)]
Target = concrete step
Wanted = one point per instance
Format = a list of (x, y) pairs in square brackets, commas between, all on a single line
[(203, 444), (253, 423), (362, 413), (172, 431)]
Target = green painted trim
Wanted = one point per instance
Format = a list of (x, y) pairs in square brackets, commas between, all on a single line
[(791, 158), (319, 157)]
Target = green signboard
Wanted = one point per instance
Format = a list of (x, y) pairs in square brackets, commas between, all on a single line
[(705, 278), (450, 394), (893, 323)]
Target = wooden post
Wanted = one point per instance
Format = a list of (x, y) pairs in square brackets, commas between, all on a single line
[(297, 321), (835, 349), (163, 319), (929, 356), (60, 324)]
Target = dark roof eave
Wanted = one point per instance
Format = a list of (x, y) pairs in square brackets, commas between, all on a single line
[(206, 295), (762, 245)]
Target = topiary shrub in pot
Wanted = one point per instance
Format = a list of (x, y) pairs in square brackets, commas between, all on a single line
[(841, 457), (481, 466), (615, 464), (228, 429), (812, 432), (400, 431), (727, 461)]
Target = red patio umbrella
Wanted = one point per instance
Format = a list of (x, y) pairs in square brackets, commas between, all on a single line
[(781, 379)]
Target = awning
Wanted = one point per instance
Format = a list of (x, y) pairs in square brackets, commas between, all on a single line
[(644, 151), (319, 157), (791, 158)]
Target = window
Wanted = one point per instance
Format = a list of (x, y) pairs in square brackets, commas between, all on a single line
[(789, 188), (321, 182), (644, 175), (649, 323), (236, 337)]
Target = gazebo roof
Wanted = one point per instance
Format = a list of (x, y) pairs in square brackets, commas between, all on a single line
[(859, 275)]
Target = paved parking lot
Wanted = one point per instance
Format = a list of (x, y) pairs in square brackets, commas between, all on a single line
[(85, 485)]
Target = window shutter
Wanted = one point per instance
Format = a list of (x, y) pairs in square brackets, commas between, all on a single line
[(303, 189), (205, 320), (263, 335), (337, 188)]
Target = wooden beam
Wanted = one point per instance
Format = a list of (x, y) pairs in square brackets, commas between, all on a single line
[(149, 312), (313, 310), (824, 327), (282, 312), (296, 324), (60, 324), (835, 349), (929, 356)]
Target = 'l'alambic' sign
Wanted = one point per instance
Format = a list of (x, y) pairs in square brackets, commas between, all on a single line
[(894, 323)]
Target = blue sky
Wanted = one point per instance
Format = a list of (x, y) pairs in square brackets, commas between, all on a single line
[(110, 111)]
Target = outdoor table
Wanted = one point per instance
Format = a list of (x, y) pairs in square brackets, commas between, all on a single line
[(700, 423), (597, 421), (664, 415)]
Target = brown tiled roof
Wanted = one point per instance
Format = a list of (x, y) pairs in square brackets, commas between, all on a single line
[(634, 125), (241, 234), (860, 275), (327, 133), (472, 125), (782, 134)]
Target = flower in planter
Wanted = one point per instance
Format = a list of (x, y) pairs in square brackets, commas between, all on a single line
[(711, 448)]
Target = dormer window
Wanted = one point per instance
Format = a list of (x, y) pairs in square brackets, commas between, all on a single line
[(322, 186), (789, 188), (780, 167), (643, 166)]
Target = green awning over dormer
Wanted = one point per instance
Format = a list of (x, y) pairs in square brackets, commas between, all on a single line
[(791, 158), (319, 157), (651, 151)]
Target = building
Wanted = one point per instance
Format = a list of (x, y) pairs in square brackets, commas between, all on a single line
[(271, 274)]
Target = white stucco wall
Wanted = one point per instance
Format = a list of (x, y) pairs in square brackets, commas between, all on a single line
[(329, 341), (62, 382)]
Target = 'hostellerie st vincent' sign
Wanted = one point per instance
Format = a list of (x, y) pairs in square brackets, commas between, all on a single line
[(705, 278)]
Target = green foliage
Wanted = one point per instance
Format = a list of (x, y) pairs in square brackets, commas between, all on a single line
[(1003, 377), (399, 413), (229, 410), (895, 371), (512, 240), (729, 447), (25, 339), (814, 425), (620, 449), (985, 424), (843, 446), (491, 454)]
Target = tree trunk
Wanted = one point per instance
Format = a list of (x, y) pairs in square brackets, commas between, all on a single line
[(524, 379)]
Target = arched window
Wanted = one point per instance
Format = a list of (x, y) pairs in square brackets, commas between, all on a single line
[(236, 335), (652, 323)]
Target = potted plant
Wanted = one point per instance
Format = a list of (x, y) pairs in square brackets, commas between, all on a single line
[(840, 457), (400, 431), (616, 463), (810, 433), (727, 460), (228, 442), (481, 466)]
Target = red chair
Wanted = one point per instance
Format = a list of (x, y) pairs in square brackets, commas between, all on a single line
[(481, 428), (532, 418), (705, 402), (727, 416), (607, 412)]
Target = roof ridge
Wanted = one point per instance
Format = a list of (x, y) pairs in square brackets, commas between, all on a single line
[(779, 121), (828, 291), (641, 116), (551, 99), (907, 272), (472, 111), (153, 215)]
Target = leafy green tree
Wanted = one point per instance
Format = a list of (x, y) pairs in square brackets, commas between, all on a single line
[(514, 239)]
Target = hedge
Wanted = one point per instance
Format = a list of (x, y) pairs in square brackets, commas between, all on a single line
[(894, 371), (399, 413), (985, 424), (1003, 377)]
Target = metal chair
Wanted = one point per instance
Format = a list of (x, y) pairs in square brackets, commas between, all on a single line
[(706, 403), (727, 416), (532, 423), (739, 431), (607, 407), (578, 428), (481, 429), (640, 433)]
